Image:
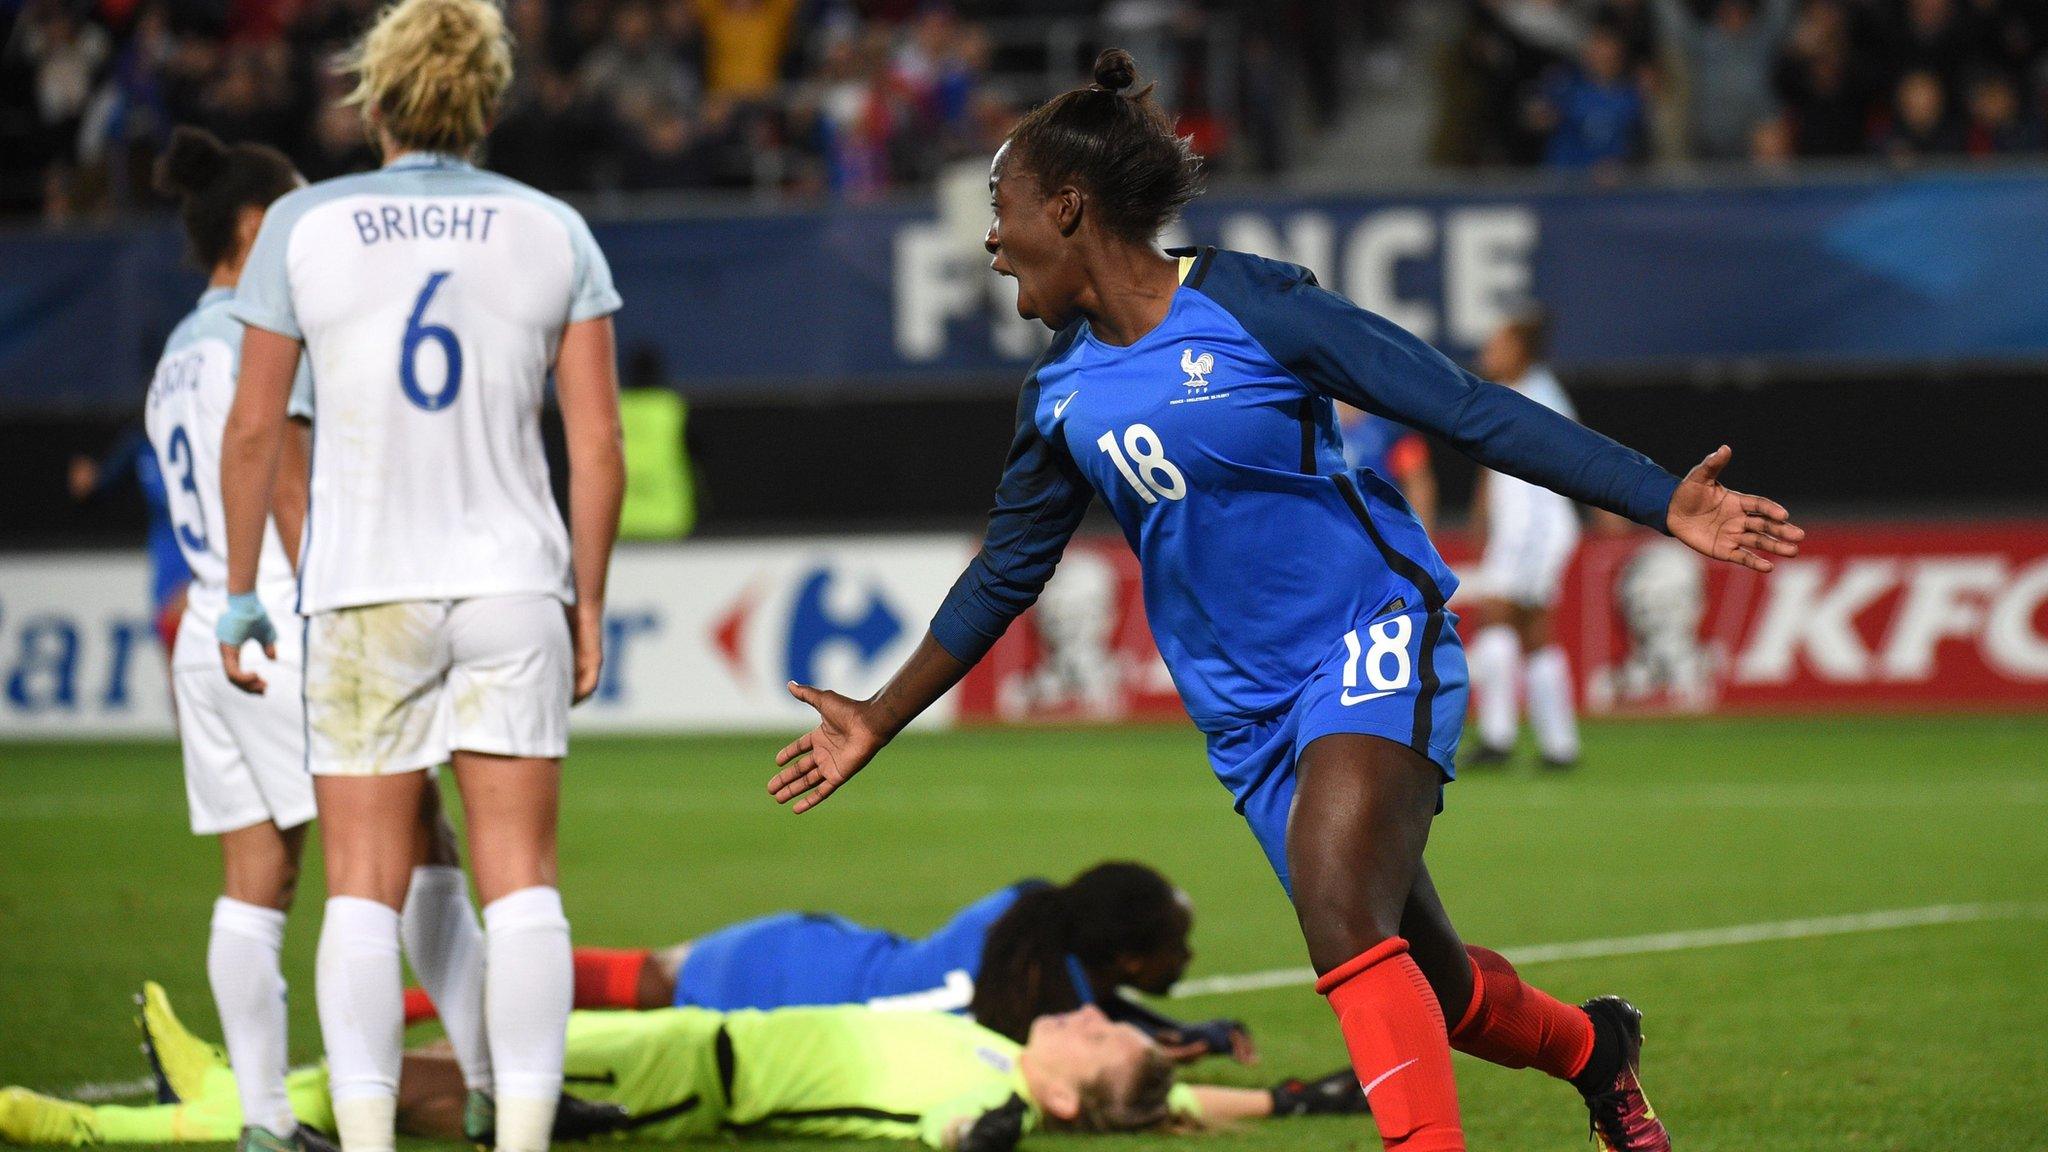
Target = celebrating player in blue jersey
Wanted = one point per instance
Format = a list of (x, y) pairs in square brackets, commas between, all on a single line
[(1299, 605)]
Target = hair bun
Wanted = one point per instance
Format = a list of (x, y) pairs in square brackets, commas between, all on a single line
[(193, 160), (1115, 70)]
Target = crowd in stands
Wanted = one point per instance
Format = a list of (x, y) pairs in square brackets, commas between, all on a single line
[(1605, 85), (851, 99), (795, 98)]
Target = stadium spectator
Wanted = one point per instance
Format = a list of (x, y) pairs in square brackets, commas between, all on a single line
[(1630, 20), (1932, 36), (665, 150), (861, 99), (1727, 60), (1827, 90), (61, 55), (1595, 112), (1488, 74), (744, 42), (1921, 126), (1772, 146), (636, 69), (1998, 125)]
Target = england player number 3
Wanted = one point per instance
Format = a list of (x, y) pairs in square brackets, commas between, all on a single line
[(418, 333)]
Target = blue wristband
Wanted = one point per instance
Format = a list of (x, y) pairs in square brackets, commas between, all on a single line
[(245, 620)]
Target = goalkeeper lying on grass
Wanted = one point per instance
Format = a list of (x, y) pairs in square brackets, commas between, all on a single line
[(691, 1073)]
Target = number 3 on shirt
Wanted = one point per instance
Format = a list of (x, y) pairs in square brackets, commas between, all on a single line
[(1160, 476), (417, 334)]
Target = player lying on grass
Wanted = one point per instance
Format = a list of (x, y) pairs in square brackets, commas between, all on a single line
[(689, 1073), (1024, 951)]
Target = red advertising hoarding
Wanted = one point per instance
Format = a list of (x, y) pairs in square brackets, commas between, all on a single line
[(1920, 616)]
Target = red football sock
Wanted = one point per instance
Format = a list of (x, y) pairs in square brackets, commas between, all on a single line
[(418, 1007), (609, 977), (1395, 1031), (1519, 1026)]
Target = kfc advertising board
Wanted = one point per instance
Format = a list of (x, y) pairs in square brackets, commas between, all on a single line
[(1896, 617), (1893, 617)]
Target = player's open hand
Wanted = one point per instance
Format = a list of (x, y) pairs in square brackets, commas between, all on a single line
[(1724, 524), (819, 761)]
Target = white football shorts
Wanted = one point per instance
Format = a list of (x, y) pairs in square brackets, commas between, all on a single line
[(245, 756), (398, 687), (1525, 557)]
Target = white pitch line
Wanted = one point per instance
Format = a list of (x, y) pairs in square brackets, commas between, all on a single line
[(1733, 934)]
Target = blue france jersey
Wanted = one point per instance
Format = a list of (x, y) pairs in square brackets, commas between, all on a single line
[(1214, 443)]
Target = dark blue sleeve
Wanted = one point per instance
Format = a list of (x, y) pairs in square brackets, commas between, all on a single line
[(1039, 503), (124, 460), (1344, 351)]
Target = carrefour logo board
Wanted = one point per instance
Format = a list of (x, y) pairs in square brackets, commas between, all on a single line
[(709, 635)]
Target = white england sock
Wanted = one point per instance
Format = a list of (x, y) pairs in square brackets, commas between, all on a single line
[(360, 988), (1494, 660), (1551, 714), (248, 989), (446, 946), (527, 996)]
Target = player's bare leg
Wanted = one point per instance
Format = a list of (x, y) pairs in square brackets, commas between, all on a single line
[(1361, 817), (512, 807), (260, 864)]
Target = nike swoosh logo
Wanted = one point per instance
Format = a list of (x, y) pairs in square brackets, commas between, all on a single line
[(1060, 408), (1349, 697), (1382, 1077)]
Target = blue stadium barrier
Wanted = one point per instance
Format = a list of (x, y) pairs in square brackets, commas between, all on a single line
[(1855, 273)]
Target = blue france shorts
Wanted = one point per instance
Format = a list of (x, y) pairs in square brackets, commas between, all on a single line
[(1400, 675)]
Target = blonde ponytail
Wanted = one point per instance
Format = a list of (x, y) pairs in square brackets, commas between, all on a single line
[(431, 72)]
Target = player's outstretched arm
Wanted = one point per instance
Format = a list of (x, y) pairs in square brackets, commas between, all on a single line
[(1721, 523), (850, 732)]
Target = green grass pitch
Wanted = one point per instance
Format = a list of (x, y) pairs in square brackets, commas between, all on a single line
[(1920, 1038)]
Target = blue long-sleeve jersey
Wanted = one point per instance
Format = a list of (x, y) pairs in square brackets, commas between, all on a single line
[(1214, 443)]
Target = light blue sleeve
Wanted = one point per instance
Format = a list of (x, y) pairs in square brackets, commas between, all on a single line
[(300, 406), (594, 294), (263, 296)]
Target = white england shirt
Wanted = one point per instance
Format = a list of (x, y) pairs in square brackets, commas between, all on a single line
[(185, 414), (431, 299)]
